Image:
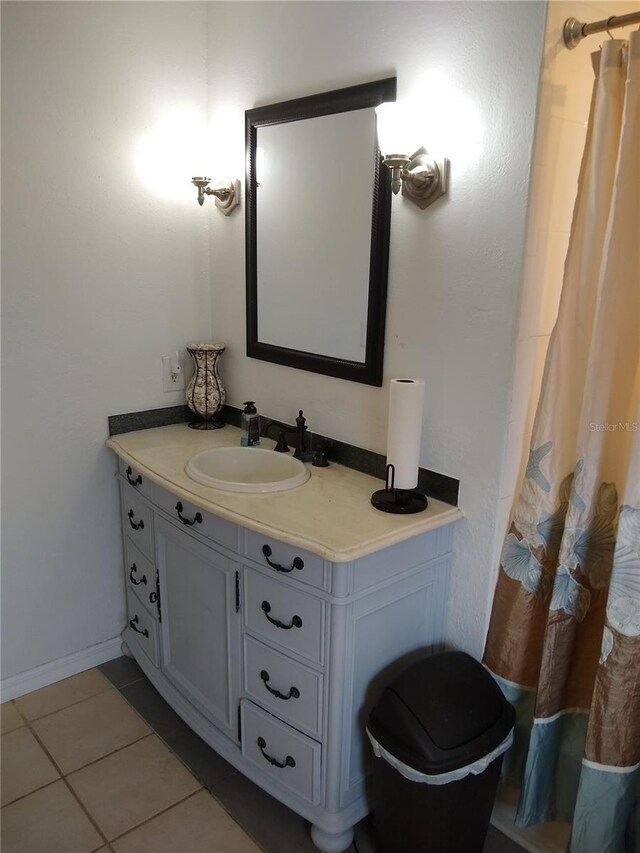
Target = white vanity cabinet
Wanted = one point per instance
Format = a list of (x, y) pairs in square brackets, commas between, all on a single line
[(272, 653), (200, 629)]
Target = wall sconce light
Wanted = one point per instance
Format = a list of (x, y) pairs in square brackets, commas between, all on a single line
[(227, 193), (422, 177)]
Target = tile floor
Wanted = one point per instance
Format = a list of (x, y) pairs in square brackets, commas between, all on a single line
[(99, 762), (82, 771)]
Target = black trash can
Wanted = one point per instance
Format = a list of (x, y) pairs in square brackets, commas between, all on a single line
[(439, 732)]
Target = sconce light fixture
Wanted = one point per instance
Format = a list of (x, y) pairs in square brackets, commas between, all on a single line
[(227, 193), (422, 177)]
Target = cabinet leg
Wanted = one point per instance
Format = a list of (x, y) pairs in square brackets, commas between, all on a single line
[(126, 651), (331, 842)]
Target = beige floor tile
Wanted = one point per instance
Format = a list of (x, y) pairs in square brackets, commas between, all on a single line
[(63, 693), (25, 765), (197, 825), (132, 785), (48, 820), (10, 717), (90, 730)]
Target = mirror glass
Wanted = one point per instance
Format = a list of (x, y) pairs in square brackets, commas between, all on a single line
[(318, 233)]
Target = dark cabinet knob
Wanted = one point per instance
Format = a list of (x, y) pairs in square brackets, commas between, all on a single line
[(298, 562), (288, 762), (296, 621), (134, 481), (134, 624), (139, 525), (197, 518), (133, 579), (293, 693)]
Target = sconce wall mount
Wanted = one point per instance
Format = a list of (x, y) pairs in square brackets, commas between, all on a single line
[(422, 177), (226, 193)]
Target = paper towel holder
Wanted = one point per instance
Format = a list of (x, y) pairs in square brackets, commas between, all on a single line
[(398, 501)]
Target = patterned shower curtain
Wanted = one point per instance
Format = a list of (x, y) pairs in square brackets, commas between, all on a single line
[(564, 638)]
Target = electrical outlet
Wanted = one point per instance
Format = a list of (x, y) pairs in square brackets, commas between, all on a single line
[(172, 373)]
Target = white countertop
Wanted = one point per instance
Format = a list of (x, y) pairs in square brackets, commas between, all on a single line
[(330, 515)]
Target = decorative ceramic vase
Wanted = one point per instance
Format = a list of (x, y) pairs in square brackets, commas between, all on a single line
[(205, 393)]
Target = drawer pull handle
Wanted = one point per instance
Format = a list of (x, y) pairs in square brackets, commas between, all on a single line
[(153, 597), (137, 481), (294, 693), (133, 622), (197, 518), (132, 572), (298, 563), (296, 622), (139, 525), (288, 762)]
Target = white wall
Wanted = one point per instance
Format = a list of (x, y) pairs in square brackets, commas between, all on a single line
[(563, 111), (455, 269), (101, 275), (103, 272)]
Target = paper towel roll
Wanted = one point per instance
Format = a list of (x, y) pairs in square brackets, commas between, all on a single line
[(406, 397)]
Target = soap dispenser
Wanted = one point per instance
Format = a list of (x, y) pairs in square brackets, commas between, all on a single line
[(250, 425)]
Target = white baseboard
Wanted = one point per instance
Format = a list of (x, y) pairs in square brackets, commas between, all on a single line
[(56, 670)]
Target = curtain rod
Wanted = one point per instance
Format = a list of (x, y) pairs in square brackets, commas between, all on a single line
[(574, 30)]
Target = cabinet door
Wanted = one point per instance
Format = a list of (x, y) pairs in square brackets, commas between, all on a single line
[(200, 628)]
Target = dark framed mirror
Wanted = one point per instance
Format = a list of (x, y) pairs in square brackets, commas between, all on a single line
[(318, 206)]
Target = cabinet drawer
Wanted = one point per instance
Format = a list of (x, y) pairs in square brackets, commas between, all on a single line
[(288, 757), (193, 518), (140, 482), (288, 617), (142, 628), (140, 575), (137, 520), (288, 560), (288, 689)]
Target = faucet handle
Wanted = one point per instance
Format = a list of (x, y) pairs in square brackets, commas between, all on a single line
[(281, 444), (301, 421)]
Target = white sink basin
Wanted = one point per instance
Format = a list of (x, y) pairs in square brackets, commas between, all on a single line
[(246, 469)]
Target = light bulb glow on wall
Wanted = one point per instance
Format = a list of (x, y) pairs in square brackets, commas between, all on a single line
[(448, 121), (225, 139), (170, 152), (396, 129)]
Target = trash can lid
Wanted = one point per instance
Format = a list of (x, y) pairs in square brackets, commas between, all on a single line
[(441, 713)]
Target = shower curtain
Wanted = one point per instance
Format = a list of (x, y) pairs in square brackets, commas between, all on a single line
[(564, 637)]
